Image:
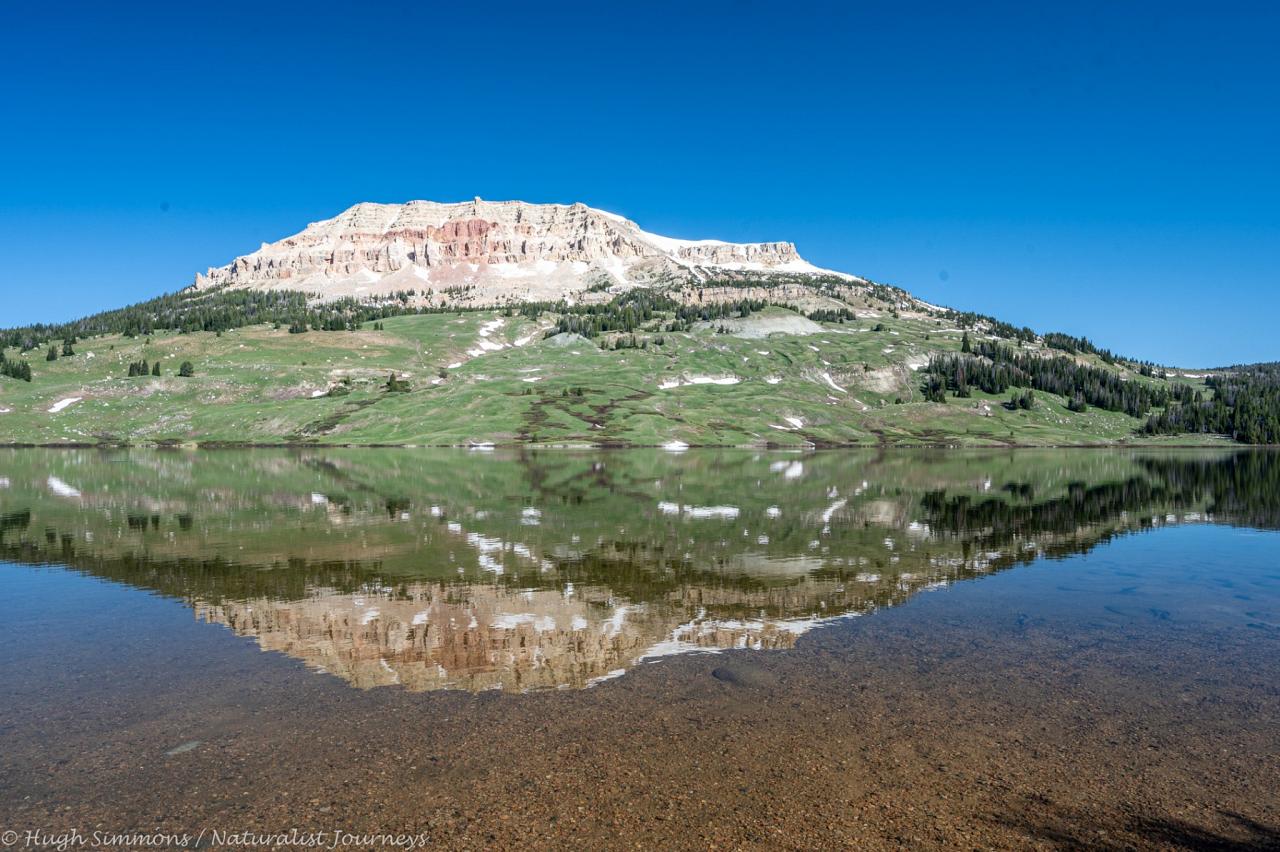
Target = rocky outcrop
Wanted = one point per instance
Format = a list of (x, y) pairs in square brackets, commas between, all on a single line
[(496, 251)]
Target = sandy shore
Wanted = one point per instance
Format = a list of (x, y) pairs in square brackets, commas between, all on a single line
[(968, 718)]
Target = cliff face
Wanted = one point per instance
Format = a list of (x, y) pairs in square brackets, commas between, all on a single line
[(507, 250)]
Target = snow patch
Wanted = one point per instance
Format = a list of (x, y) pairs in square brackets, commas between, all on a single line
[(701, 512), (62, 489), (724, 512), (668, 384), (832, 509)]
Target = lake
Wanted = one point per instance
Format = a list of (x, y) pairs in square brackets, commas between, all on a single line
[(884, 649)]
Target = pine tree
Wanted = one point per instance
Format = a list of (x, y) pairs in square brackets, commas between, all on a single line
[(53, 354), (155, 370), (67, 351), (187, 370), (965, 345), (20, 370)]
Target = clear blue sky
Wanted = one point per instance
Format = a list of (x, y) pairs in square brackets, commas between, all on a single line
[(1107, 169)]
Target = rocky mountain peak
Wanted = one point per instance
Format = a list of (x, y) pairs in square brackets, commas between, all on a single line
[(498, 250)]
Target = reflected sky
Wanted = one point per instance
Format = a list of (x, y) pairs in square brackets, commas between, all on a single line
[(453, 570)]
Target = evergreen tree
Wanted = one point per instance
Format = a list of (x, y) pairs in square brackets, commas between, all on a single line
[(67, 351), (995, 368), (52, 355), (155, 370), (1245, 406), (187, 370), (20, 370)]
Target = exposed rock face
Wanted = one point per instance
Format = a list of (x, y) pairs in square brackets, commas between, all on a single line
[(506, 250)]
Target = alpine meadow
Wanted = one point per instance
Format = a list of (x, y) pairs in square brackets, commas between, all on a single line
[(504, 323)]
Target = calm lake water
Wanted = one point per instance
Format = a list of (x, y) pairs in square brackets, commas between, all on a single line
[(985, 649)]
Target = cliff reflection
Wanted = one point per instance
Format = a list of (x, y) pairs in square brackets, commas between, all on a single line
[(448, 570)]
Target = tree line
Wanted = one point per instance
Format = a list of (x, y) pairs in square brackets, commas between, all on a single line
[(221, 310), (994, 368), (1070, 344), (1245, 406), (634, 309), (1009, 331)]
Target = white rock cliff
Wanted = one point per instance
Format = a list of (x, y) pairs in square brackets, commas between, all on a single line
[(497, 250)]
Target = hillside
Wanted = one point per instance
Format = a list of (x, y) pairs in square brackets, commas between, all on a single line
[(773, 377), (564, 325)]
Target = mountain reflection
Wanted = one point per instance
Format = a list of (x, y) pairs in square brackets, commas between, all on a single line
[(452, 570)]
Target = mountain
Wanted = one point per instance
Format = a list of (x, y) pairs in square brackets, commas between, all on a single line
[(489, 323), (498, 250)]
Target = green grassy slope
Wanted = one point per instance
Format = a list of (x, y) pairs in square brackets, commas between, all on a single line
[(480, 376)]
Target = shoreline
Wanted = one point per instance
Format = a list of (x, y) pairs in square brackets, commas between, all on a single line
[(487, 446)]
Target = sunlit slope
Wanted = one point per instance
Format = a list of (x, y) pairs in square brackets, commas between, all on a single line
[(483, 376)]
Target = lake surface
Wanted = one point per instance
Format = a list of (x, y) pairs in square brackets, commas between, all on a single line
[(911, 648)]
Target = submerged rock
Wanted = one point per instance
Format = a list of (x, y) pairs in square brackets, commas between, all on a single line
[(744, 674)]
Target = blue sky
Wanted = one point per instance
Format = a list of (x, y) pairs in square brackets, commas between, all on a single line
[(1103, 169)]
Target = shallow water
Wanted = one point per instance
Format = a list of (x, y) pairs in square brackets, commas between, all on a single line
[(906, 648)]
